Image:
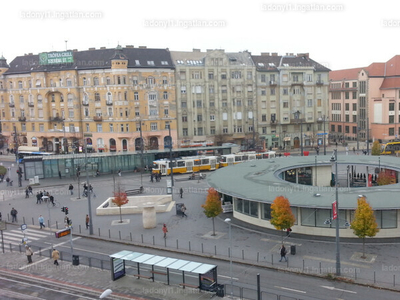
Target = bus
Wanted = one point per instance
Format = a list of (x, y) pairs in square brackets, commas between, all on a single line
[(186, 165), (233, 159), (391, 148), (25, 151)]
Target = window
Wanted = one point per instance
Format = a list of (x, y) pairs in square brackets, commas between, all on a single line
[(333, 128), (20, 84), (137, 112), (212, 130), (212, 103), (70, 113), (223, 76), (110, 111), (136, 96), (164, 80), (199, 103), (354, 95), (249, 102), (165, 95), (184, 131), (152, 97), (153, 126), (347, 129), (184, 119), (236, 75), (354, 129), (183, 89), (166, 111), (391, 119), (99, 127), (84, 80), (134, 80), (41, 127), (210, 75), (21, 99), (347, 118), (336, 95), (262, 78), (354, 118), (285, 91), (53, 97), (150, 62), (199, 118), (309, 77), (347, 95), (69, 82), (122, 127), (354, 106), (182, 75), (225, 130), (309, 103), (295, 78), (264, 118), (212, 117), (109, 97), (95, 81), (108, 81), (391, 131), (263, 92), (197, 75), (33, 127), (183, 104), (391, 106), (71, 128), (87, 127), (151, 81), (272, 91), (96, 97), (86, 112), (285, 104)]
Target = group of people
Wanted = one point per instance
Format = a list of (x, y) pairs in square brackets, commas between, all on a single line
[(44, 196), (87, 189), (55, 255), (28, 191), (156, 176)]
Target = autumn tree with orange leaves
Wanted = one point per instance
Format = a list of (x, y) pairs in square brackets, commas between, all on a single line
[(385, 179), (120, 198), (212, 207), (364, 223), (281, 214)]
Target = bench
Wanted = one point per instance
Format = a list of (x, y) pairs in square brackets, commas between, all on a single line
[(189, 285), (134, 191), (143, 276)]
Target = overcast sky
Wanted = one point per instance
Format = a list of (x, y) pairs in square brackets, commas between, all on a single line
[(339, 34)]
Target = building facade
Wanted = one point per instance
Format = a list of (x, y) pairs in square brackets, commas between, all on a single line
[(105, 99), (365, 103), (292, 98)]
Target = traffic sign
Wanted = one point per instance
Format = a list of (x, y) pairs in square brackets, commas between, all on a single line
[(24, 227)]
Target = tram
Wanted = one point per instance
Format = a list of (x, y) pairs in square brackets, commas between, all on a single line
[(391, 148), (186, 165), (232, 159)]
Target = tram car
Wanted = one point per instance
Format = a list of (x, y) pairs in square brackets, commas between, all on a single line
[(186, 165), (233, 159)]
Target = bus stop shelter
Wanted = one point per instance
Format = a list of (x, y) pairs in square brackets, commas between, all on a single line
[(148, 266)]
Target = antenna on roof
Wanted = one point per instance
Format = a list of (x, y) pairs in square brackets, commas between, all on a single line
[(66, 44)]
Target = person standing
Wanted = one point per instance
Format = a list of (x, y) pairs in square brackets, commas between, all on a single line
[(283, 253), (55, 255), (181, 192), (30, 190), (71, 189), (13, 213), (347, 150), (59, 174), (41, 221), (183, 210), (87, 220), (51, 198), (28, 253), (165, 230), (119, 173), (26, 193)]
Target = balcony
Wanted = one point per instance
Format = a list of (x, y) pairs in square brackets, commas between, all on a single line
[(12, 104), (85, 103), (56, 119), (319, 82), (22, 118), (98, 118), (31, 104), (301, 83), (273, 82), (109, 103)]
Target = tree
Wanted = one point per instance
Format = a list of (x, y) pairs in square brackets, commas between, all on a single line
[(281, 214), (212, 207), (120, 198), (376, 148), (364, 223), (384, 179)]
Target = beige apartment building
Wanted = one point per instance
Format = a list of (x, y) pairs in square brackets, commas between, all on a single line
[(106, 98), (216, 101), (364, 103), (292, 99)]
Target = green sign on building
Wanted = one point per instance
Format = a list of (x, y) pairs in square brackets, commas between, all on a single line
[(51, 58)]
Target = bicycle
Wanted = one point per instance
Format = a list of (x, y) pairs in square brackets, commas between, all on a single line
[(55, 204)]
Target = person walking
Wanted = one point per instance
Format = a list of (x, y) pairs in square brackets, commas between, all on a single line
[(87, 220), (181, 192), (55, 255), (183, 210), (41, 221), (8, 181), (347, 150), (283, 253), (59, 174), (30, 190), (51, 198), (165, 230), (26, 193), (71, 189), (13, 213), (38, 198), (28, 253), (119, 173)]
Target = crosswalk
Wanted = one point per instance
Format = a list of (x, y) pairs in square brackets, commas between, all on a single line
[(16, 237)]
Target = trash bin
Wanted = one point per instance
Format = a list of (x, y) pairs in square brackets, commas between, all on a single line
[(293, 249), (220, 290), (179, 209), (75, 260)]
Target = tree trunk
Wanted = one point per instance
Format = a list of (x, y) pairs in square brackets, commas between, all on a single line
[(213, 227), (363, 256), (120, 214)]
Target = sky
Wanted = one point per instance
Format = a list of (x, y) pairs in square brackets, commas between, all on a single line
[(338, 34)]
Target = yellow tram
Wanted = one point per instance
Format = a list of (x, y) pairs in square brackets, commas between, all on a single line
[(186, 165), (232, 159)]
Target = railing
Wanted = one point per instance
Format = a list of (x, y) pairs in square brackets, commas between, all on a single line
[(85, 103), (22, 119), (31, 104), (12, 104), (56, 119), (319, 82), (109, 103), (97, 118)]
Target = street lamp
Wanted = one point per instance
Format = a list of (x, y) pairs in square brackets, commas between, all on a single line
[(88, 186), (141, 156), (334, 160), (228, 220), (170, 157), (297, 117), (324, 138)]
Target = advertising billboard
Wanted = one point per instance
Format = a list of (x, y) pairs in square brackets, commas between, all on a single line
[(51, 58)]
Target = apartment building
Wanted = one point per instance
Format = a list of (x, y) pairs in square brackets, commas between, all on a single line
[(292, 99), (215, 97), (104, 98), (364, 102)]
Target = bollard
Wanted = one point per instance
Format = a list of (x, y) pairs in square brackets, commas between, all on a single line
[(258, 256), (119, 234), (303, 265), (33, 223), (287, 262), (177, 244), (215, 249), (101, 264), (229, 251), (272, 259), (355, 273), (130, 234), (189, 247), (394, 279), (165, 243), (374, 278), (80, 228), (99, 231), (243, 254), (202, 249), (10, 248), (19, 246), (40, 251), (320, 268), (142, 237), (109, 233), (90, 262), (56, 225), (48, 223), (154, 240)]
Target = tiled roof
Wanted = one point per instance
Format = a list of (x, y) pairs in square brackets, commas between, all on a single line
[(195, 58), (393, 66), (273, 62), (95, 59), (376, 69), (348, 74), (391, 83)]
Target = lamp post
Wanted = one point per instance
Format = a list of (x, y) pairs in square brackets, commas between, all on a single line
[(170, 157), (141, 156), (296, 116), (334, 160), (228, 220), (324, 139), (88, 186)]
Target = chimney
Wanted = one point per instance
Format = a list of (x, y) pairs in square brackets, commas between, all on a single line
[(129, 46), (306, 55), (91, 49), (30, 54), (274, 54), (75, 50), (102, 48), (196, 50), (142, 47), (264, 53)]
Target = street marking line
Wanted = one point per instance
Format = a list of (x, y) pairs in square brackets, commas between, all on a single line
[(32, 264), (228, 277), (279, 242), (292, 290), (334, 261), (336, 289)]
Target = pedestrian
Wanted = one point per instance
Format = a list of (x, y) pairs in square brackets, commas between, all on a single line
[(38, 198), (29, 253), (51, 198), (165, 230), (71, 188), (8, 181), (354, 150), (183, 210), (26, 193), (55, 255), (30, 190), (347, 150), (59, 174), (119, 173), (87, 221), (181, 192), (283, 253), (41, 221), (0, 216), (66, 222), (152, 177), (14, 213), (288, 231)]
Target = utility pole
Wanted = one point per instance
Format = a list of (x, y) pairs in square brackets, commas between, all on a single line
[(86, 135), (170, 157), (141, 155)]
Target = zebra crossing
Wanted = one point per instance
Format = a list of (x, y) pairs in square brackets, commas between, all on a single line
[(16, 237)]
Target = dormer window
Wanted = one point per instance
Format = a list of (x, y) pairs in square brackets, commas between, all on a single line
[(150, 62)]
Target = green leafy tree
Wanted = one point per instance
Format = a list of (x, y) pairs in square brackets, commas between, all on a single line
[(120, 198), (376, 148), (364, 223), (281, 214), (213, 206)]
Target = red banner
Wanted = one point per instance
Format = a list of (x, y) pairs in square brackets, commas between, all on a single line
[(334, 210), (369, 180)]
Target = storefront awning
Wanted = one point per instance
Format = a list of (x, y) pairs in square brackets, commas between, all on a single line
[(286, 139)]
